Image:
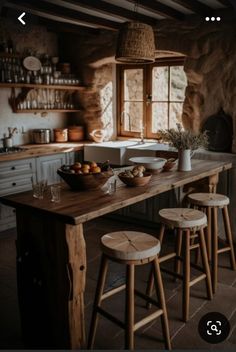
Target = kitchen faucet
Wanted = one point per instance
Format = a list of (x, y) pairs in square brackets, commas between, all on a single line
[(141, 133)]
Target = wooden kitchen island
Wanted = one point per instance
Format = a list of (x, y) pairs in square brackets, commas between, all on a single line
[(51, 252)]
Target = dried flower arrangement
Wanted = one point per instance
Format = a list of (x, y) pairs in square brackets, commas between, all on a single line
[(184, 139)]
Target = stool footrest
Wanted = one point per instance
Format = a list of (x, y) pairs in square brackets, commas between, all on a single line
[(146, 298), (194, 246), (197, 279), (112, 292), (167, 257), (179, 276), (222, 250), (148, 319), (111, 317)]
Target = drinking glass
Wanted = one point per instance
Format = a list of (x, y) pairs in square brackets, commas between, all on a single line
[(39, 188), (55, 193)]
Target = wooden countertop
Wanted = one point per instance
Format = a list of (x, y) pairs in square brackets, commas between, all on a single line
[(34, 150), (79, 207)]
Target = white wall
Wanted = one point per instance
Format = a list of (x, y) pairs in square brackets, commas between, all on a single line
[(26, 121)]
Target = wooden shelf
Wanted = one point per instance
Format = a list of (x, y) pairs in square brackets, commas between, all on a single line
[(34, 111), (40, 86), (8, 55)]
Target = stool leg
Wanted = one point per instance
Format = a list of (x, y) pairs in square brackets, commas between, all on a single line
[(228, 233), (215, 250), (129, 311), (205, 263), (97, 300), (162, 302), (186, 276), (208, 232), (178, 250), (150, 283)]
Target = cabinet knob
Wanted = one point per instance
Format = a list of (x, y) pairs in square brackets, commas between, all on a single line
[(13, 168), (13, 184), (19, 259)]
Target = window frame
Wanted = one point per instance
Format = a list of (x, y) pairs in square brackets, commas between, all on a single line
[(147, 91)]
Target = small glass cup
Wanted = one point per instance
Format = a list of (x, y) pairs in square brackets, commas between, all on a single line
[(109, 187), (39, 188), (56, 193)]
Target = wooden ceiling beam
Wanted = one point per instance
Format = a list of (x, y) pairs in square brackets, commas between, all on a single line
[(195, 6), (159, 9), (59, 27), (108, 9), (226, 3), (60, 14)]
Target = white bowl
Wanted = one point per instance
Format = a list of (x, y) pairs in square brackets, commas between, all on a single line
[(149, 162)]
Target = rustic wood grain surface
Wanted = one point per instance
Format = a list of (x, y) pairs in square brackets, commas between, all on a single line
[(79, 207)]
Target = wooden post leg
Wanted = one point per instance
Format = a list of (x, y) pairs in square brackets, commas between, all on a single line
[(186, 276), (97, 300), (208, 232), (178, 250), (129, 311), (77, 276), (162, 302), (212, 183), (215, 250), (150, 283), (228, 234), (205, 264)]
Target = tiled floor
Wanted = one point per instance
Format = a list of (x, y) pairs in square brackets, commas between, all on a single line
[(109, 336)]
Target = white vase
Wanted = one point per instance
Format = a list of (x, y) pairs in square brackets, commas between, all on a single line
[(184, 163)]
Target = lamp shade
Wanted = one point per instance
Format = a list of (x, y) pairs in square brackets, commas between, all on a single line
[(135, 43)]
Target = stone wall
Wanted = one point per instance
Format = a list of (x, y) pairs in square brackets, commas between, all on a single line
[(210, 50), (97, 102)]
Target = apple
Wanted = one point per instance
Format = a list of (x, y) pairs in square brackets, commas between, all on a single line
[(96, 170), (93, 164)]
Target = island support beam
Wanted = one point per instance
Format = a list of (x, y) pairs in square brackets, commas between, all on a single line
[(51, 275)]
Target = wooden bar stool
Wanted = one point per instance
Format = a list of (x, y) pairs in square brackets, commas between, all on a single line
[(185, 221), (129, 248), (211, 202)]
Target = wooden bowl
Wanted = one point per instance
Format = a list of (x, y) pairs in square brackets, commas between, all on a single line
[(84, 182), (136, 181), (169, 164)]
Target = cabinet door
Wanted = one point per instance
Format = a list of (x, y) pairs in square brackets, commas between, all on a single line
[(7, 217), (15, 176), (72, 157), (47, 167), (140, 211)]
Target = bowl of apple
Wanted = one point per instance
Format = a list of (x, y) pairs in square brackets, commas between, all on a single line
[(87, 176)]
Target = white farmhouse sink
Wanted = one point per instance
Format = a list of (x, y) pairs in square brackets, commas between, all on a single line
[(119, 152)]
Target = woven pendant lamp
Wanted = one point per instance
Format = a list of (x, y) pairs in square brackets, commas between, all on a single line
[(135, 43)]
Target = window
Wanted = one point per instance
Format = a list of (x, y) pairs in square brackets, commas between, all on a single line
[(150, 97)]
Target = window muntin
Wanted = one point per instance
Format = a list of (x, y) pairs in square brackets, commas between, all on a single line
[(150, 96)]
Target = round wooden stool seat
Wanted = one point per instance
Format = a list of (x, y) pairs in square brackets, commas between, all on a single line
[(130, 245), (208, 199), (183, 217)]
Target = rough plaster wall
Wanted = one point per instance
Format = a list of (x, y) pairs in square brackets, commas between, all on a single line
[(39, 41)]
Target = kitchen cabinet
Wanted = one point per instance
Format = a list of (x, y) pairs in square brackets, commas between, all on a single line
[(15, 176), (72, 157), (47, 166)]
